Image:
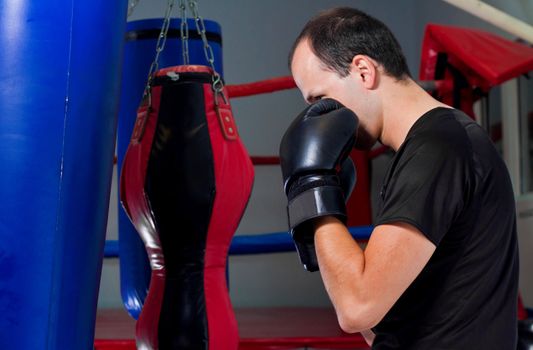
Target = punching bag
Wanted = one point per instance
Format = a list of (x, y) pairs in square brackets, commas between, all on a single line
[(60, 73), (185, 182), (139, 51)]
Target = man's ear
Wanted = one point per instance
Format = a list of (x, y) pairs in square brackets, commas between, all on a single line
[(365, 69)]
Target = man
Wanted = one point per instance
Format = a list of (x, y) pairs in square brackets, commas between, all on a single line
[(440, 270)]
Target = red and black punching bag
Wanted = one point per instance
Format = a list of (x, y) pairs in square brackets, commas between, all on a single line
[(185, 183)]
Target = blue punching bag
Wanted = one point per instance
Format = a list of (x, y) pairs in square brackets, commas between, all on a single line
[(60, 74), (139, 52)]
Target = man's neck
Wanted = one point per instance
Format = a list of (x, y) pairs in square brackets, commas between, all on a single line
[(403, 104)]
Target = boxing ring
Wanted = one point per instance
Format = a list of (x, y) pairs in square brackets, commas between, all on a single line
[(451, 78)]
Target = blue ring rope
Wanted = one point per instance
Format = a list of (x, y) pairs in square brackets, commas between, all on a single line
[(276, 242)]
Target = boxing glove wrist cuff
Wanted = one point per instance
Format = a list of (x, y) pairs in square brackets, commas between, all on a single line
[(303, 209), (316, 202)]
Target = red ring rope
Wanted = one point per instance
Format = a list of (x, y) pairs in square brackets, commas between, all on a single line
[(261, 87)]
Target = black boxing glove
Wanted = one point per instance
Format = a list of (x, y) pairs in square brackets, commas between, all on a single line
[(317, 173)]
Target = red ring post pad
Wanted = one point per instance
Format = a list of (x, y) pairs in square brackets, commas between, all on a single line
[(185, 183)]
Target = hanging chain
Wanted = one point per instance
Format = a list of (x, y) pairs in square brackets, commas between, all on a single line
[(131, 6), (217, 85), (184, 31), (161, 40)]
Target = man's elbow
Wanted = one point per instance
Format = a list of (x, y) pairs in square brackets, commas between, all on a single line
[(358, 318)]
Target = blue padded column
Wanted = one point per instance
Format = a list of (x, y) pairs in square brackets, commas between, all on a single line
[(141, 39), (60, 74)]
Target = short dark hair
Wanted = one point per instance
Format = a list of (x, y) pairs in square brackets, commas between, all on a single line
[(339, 34)]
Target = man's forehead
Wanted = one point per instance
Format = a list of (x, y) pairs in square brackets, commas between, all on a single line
[(305, 66), (303, 56)]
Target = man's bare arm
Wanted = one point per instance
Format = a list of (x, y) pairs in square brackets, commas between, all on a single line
[(364, 285)]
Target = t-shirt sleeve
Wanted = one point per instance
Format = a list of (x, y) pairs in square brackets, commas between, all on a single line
[(427, 187)]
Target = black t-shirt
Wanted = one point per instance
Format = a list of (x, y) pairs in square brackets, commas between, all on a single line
[(448, 181)]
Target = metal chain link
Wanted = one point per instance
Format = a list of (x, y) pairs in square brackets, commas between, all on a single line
[(131, 6), (184, 31), (161, 40), (217, 85)]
